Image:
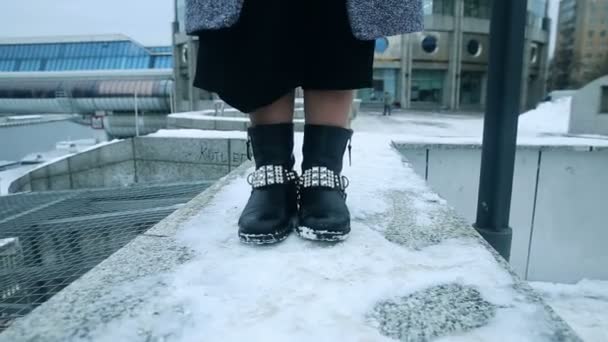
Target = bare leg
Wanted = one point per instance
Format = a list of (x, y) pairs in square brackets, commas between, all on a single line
[(328, 107), (280, 111)]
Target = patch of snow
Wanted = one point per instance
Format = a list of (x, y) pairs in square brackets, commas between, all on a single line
[(307, 233), (195, 115), (548, 117), (7, 242), (196, 133), (221, 118), (320, 235), (547, 125), (584, 306), (204, 113), (76, 145), (46, 159), (24, 117), (7, 177)]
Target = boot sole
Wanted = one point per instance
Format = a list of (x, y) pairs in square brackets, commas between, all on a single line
[(268, 239), (321, 235)]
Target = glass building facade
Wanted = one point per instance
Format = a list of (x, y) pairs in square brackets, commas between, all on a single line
[(83, 55), (68, 75), (445, 7), (478, 8), (471, 88), (427, 86)]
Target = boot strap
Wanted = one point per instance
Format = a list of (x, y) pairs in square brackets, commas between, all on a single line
[(271, 175), (320, 176)]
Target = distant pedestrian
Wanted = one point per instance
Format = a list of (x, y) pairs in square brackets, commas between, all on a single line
[(388, 104), (254, 53)]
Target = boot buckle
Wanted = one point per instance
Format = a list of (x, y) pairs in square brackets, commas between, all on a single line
[(271, 175), (321, 176)]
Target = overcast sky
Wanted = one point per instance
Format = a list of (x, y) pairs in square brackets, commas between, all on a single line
[(147, 21)]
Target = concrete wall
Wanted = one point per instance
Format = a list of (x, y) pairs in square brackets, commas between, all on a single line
[(181, 159), (586, 116), (123, 125), (139, 160), (557, 211)]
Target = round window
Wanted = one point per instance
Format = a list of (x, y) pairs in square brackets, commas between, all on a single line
[(474, 48), (429, 44), (381, 45)]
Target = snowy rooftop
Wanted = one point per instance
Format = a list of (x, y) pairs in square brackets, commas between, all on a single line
[(412, 270), (545, 126)]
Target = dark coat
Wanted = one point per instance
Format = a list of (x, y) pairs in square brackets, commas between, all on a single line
[(370, 19)]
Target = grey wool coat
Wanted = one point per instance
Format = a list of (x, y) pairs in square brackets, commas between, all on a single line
[(369, 19)]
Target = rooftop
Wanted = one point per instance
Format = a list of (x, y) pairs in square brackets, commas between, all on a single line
[(411, 270)]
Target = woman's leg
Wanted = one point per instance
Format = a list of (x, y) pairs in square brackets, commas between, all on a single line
[(323, 213), (278, 112), (328, 107), (270, 214)]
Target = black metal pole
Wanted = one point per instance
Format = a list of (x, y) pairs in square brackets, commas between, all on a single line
[(507, 35)]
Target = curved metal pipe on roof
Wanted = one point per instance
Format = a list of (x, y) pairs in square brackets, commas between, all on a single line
[(86, 96)]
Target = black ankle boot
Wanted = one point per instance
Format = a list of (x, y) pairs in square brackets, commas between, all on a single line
[(271, 213), (323, 215)]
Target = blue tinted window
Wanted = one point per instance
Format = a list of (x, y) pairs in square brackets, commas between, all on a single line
[(83, 56), (6, 65), (30, 65), (381, 45)]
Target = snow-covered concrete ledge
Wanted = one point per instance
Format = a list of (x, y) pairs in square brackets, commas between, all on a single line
[(412, 270), (228, 119), (161, 157)]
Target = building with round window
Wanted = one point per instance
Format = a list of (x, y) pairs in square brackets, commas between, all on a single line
[(444, 67)]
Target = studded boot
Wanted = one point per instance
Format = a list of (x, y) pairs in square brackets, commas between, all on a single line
[(271, 212), (323, 214)]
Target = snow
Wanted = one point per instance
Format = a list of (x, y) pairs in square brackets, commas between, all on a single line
[(6, 162), (547, 125), (196, 115), (96, 146), (584, 306), (75, 145), (7, 242), (46, 159), (24, 117), (205, 113), (196, 133), (305, 291), (548, 117), (9, 176)]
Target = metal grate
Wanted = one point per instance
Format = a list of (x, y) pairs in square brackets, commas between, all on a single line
[(48, 240)]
